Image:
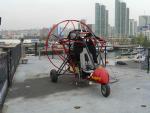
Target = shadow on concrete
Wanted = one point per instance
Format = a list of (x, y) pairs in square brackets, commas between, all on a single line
[(40, 87)]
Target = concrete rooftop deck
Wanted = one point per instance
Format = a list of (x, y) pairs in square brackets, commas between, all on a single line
[(33, 92)]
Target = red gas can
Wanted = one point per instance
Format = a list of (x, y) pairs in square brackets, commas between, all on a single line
[(100, 75)]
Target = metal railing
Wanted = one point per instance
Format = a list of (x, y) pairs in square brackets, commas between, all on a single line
[(3, 68), (13, 57), (9, 61)]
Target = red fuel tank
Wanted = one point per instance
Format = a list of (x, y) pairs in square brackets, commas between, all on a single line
[(100, 75)]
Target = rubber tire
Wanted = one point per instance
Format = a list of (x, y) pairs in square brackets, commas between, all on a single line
[(105, 89), (53, 76)]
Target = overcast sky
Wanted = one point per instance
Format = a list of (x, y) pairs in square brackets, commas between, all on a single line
[(26, 14)]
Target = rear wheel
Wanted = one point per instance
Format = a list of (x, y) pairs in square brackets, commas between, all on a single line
[(53, 75), (105, 89)]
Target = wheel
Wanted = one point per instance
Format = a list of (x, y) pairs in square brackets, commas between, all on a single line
[(105, 89), (53, 75)]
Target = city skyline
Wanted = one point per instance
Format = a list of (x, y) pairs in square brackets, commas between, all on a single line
[(132, 28), (20, 14)]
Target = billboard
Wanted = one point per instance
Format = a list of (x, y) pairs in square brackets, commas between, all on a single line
[(35, 41), (145, 28)]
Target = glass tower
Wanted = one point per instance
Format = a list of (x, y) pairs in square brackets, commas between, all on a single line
[(101, 20), (121, 19)]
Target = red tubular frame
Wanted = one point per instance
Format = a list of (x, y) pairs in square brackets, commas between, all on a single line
[(63, 42)]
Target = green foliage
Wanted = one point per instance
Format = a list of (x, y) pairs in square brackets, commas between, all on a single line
[(141, 40)]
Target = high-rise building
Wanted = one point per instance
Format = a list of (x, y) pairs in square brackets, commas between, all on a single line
[(144, 20), (127, 22), (91, 26), (144, 26), (111, 31), (121, 19), (107, 23), (80, 26), (132, 28), (135, 27), (101, 20), (97, 19), (117, 17)]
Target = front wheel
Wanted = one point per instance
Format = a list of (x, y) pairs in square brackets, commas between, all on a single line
[(105, 89), (54, 75)]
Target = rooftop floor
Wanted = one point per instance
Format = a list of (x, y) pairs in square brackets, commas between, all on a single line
[(33, 92)]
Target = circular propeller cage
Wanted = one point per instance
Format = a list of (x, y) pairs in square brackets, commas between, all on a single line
[(63, 34)]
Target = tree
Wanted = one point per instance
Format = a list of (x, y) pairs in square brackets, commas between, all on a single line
[(134, 40), (141, 40)]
